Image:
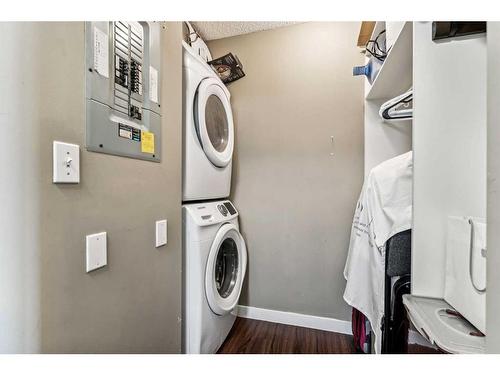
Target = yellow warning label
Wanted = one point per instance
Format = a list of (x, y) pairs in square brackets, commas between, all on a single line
[(147, 142)]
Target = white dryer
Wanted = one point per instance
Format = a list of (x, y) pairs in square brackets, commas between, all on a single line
[(214, 266), (208, 131)]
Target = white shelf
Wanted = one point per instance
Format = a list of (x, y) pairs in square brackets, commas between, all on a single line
[(448, 331), (396, 74)]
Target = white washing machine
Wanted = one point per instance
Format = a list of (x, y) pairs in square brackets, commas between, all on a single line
[(214, 265), (208, 131)]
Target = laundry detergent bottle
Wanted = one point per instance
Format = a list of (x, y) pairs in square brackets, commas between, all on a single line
[(369, 70)]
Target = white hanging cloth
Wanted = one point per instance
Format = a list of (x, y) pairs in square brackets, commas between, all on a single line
[(384, 208)]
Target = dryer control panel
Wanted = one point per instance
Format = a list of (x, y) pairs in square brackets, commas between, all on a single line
[(123, 88)]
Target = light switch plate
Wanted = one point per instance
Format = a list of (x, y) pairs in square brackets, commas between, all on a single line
[(96, 251), (161, 233), (66, 163)]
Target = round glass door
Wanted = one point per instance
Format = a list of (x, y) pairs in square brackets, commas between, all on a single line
[(214, 122), (225, 271), (226, 267)]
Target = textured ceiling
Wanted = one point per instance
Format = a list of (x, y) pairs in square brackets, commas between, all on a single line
[(218, 30)]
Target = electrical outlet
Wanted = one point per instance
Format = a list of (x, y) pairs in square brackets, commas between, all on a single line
[(97, 251), (161, 233)]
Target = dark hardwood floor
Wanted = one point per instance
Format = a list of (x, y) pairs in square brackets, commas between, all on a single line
[(250, 336), (258, 337)]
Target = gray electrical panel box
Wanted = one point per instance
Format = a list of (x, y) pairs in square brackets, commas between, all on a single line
[(123, 80)]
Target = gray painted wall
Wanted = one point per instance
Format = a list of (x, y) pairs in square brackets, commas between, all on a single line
[(493, 206), (134, 304), (295, 200)]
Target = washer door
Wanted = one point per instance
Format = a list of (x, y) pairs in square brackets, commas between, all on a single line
[(214, 122), (225, 270)]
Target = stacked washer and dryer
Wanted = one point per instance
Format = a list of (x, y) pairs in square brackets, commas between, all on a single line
[(214, 251)]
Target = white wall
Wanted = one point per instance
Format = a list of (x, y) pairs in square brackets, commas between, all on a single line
[(449, 143), (19, 229), (493, 246)]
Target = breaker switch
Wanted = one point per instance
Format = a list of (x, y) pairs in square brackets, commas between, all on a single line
[(136, 77), (135, 112), (121, 71)]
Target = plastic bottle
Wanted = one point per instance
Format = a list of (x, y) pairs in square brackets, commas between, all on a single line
[(369, 70)]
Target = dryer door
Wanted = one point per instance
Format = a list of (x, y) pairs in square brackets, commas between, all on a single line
[(225, 270), (214, 122)]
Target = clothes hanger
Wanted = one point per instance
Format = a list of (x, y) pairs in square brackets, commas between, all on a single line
[(398, 108), (192, 34)]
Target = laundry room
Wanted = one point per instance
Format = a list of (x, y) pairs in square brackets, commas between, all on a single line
[(228, 186), (304, 136)]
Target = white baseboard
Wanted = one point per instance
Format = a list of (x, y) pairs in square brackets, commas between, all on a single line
[(294, 319)]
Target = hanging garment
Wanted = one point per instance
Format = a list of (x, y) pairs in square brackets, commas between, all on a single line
[(384, 208), (358, 322)]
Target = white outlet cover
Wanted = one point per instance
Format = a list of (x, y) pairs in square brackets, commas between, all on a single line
[(97, 256), (161, 233), (66, 163)]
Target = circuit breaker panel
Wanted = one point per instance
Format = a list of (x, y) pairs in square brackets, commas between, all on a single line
[(123, 75)]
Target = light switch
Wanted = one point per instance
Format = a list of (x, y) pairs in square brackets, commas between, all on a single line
[(161, 233), (66, 163), (96, 251)]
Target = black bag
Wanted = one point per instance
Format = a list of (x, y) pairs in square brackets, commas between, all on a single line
[(398, 337)]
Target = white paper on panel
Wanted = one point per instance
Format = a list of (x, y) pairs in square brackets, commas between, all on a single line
[(153, 84), (101, 52)]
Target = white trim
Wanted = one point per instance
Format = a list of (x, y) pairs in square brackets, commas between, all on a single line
[(207, 88), (294, 319), (219, 305)]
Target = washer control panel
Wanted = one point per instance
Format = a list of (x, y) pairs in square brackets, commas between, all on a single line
[(222, 209), (229, 206), (209, 213)]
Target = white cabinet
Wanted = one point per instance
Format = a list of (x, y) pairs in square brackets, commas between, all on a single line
[(449, 143), (448, 136)]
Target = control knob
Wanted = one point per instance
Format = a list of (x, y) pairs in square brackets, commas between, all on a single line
[(222, 209)]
